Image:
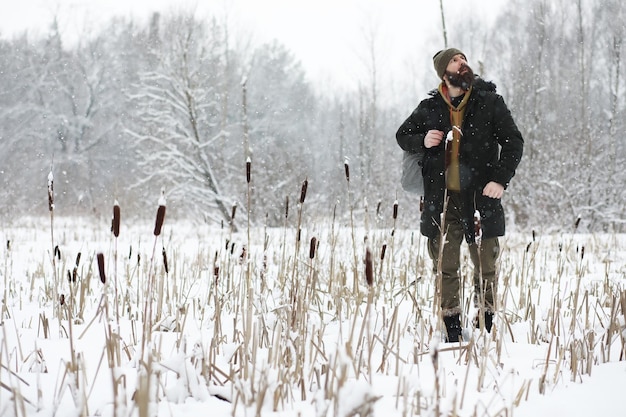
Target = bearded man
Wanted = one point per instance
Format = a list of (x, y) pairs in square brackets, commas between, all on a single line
[(471, 148)]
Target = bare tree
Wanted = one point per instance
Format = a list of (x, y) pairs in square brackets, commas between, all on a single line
[(179, 119)]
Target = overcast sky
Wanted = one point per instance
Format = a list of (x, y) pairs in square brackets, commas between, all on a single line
[(326, 35)]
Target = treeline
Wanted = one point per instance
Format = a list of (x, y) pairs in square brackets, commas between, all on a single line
[(177, 106), (180, 104)]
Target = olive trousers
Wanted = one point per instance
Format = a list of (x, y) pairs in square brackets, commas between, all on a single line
[(484, 257)]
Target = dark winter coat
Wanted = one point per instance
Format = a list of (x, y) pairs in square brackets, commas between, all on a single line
[(490, 150)]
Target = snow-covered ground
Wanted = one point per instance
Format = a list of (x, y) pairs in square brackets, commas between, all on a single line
[(257, 323)]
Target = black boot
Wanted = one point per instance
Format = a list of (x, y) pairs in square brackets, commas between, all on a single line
[(453, 327), (488, 321)]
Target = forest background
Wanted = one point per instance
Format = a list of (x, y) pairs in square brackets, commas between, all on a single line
[(178, 104)]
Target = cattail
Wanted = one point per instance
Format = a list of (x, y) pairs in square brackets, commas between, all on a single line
[(130, 252), (74, 274), (50, 191), (103, 278), (582, 253), (115, 225), (286, 207), (533, 235), (57, 252), (165, 261), (248, 166), (395, 209), (77, 259), (216, 268), (244, 254), (8, 244), (233, 211), (382, 252), (421, 204), (305, 184), (299, 234), (312, 247), (69, 276), (62, 299), (378, 207), (577, 223), (369, 268), (346, 167), (160, 216), (477, 229), (528, 246)]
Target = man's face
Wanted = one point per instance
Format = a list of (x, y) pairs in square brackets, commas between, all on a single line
[(458, 73)]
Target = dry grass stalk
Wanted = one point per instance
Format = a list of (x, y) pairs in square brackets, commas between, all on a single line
[(298, 353), (55, 283)]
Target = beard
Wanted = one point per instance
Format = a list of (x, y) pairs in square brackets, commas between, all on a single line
[(462, 79)]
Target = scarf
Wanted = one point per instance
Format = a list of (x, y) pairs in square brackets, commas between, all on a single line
[(453, 181)]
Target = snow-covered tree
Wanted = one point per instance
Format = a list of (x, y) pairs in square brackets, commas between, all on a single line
[(178, 126)]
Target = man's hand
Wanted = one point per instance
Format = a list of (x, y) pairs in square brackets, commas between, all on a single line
[(433, 138), (493, 190)]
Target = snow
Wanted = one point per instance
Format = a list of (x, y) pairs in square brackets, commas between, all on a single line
[(557, 347)]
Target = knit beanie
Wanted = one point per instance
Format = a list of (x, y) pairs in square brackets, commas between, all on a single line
[(442, 59)]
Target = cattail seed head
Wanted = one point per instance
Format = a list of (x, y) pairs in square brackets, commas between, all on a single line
[(382, 252), (248, 168), (286, 207), (305, 185), (115, 226), (346, 167), (62, 299), (577, 223), (160, 216), (216, 268), (100, 257), (421, 204), (77, 259), (395, 209), (165, 261), (312, 247), (243, 255), (233, 211), (50, 191), (582, 253), (477, 227), (369, 268), (57, 252), (69, 276)]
